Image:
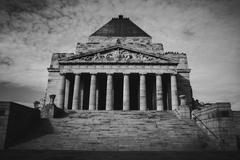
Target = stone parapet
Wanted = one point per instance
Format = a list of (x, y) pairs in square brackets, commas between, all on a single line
[(217, 121), (108, 40), (56, 57), (14, 120), (154, 48)]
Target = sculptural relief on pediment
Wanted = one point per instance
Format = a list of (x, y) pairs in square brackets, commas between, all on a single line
[(121, 55)]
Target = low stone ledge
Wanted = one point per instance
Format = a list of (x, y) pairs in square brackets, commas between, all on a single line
[(217, 121), (51, 111), (14, 120)]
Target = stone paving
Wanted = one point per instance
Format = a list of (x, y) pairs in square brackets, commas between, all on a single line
[(113, 155)]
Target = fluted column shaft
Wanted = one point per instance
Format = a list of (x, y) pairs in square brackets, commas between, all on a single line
[(67, 88), (81, 93), (61, 92), (174, 92), (92, 94), (76, 88), (109, 94), (159, 92), (143, 102), (126, 98)]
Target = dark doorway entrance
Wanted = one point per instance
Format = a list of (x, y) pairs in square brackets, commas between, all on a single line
[(86, 88), (134, 91), (150, 91), (118, 91), (102, 84), (166, 91)]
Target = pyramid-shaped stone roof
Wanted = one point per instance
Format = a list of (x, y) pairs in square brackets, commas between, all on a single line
[(120, 27)]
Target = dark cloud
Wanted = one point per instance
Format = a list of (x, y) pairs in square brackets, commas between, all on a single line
[(16, 6), (6, 61), (188, 33)]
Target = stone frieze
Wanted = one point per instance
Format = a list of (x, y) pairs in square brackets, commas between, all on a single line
[(120, 55)]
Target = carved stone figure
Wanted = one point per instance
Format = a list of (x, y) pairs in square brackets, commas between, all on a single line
[(119, 55)]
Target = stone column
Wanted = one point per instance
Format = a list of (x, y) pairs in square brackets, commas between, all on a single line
[(126, 96), (143, 102), (92, 94), (61, 92), (76, 88), (81, 93), (97, 94), (174, 94), (109, 93), (67, 87), (159, 92)]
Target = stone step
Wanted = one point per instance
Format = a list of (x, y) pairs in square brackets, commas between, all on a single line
[(116, 130)]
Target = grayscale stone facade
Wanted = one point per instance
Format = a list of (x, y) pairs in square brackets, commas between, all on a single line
[(119, 73)]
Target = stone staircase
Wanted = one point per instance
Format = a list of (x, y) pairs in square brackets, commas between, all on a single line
[(116, 131)]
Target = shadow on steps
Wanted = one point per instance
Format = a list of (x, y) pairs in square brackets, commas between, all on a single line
[(39, 129)]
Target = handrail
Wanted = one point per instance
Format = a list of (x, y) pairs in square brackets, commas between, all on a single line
[(205, 126), (176, 111)]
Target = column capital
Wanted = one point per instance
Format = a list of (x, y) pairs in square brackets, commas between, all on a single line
[(63, 73), (126, 72), (173, 74), (158, 74)]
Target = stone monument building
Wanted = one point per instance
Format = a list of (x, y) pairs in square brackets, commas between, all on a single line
[(119, 68)]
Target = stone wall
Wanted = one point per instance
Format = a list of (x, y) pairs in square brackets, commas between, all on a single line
[(183, 77), (236, 117), (53, 85), (218, 120), (14, 120), (184, 87), (54, 76), (151, 48)]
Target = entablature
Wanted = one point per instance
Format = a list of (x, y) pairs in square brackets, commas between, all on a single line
[(53, 69), (118, 68), (183, 70)]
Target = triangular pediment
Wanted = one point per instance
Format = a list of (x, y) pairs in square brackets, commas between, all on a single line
[(119, 54)]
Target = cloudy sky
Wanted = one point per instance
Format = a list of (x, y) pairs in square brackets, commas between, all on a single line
[(207, 30)]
